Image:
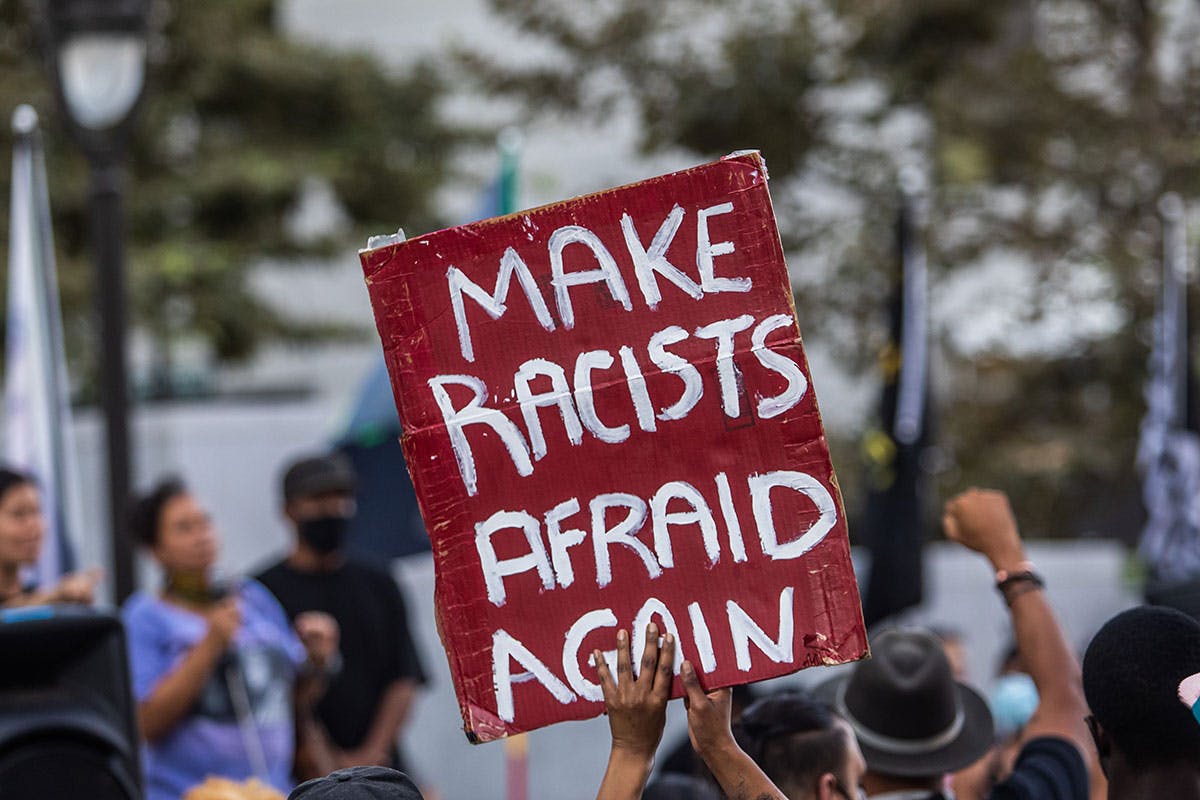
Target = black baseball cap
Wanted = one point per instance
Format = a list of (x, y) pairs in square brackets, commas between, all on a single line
[(359, 783), (318, 475)]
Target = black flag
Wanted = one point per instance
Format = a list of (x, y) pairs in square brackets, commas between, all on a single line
[(897, 481), (1169, 449)]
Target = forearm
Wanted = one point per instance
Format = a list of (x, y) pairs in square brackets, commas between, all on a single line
[(391, 716), (626, 775), (315, 754), (982, 520), (309, 688), (739, 776), (1043, 647), (37, 598), (175, 695), (1049, 661)]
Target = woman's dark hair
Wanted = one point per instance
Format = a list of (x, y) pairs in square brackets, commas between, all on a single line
[(11, 479), (145, 512)]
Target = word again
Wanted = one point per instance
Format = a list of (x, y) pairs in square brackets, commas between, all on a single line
[(774, 640)]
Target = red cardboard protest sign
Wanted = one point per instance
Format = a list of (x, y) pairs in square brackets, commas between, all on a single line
[(608, 418)]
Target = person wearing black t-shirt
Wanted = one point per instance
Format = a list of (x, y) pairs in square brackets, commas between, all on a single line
[(368, 699)]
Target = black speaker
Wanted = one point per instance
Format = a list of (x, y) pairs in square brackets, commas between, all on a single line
[(67, 725)]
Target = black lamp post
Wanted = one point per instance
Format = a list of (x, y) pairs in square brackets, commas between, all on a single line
[(96, 51)]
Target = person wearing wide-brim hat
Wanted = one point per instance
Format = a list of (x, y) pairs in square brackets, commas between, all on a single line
[(913, 721)]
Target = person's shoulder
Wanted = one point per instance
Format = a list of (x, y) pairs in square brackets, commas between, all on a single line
[(260, 601), (1047, 768), (374, 582), (142, 610), (138, 603), (1051, 750), (273, 572), (254, 591), (360, 570)]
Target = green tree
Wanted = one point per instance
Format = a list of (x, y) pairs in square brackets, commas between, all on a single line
[(1047, 132), (236, 122)]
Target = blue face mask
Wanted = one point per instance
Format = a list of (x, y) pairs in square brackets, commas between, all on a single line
[(1014, 698)]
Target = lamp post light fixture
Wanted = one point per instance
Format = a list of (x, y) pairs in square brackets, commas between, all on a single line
[(96, 54)]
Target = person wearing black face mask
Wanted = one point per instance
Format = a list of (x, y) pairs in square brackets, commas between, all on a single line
[(367, 702), (324, 535)]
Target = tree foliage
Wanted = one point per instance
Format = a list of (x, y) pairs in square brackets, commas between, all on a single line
[(236, 122), (1046, 132)]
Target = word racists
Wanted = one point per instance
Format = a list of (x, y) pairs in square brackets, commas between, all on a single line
[(608, 418), (574, 398)]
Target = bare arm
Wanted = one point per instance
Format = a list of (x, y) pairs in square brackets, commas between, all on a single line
[(396, 701), (393, 710), (78, 587), (712, 737), (637, 712), (172, 699), (315, 754), (983, 521)]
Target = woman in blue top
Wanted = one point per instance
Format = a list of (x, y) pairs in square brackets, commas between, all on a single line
[(215, 669)]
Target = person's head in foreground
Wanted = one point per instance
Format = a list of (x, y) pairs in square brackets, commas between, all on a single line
[(1147, 739), (169, 522), (318, 499), (358, 783), (913, 721), (806, 750)]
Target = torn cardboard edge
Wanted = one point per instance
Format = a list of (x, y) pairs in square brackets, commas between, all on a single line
[(383, 240)]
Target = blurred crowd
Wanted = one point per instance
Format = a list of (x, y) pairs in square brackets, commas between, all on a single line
[(902, 726), (305, 674), (303, 669)]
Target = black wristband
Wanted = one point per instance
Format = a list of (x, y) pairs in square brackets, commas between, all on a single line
[(1028, 576), (1019, 583)]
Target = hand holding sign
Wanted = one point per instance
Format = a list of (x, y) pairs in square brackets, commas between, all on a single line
[(712, 737), (709, 714), (637, 711), (637, 703)]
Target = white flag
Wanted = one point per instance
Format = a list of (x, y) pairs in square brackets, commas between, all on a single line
[(37, 418)]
